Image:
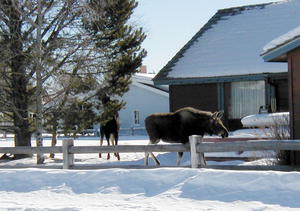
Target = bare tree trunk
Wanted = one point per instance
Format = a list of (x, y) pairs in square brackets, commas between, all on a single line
[(53, 142), (54, 135), (39, 116)]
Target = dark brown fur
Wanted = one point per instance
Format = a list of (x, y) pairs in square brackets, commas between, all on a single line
[(111, 132), (176, 127)]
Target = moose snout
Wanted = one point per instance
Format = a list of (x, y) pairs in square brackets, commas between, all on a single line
[(224, 134)]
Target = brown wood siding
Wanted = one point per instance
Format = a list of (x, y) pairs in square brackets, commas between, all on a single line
[(294, 74), (200, 96), (227, 97), (294, 99), (282, 96)]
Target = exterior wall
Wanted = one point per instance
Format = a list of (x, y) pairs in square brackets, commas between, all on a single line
[(232, 124), (282, 95), (200, 96), (210, 97), (215, 97), (144, 101), (294, 98)]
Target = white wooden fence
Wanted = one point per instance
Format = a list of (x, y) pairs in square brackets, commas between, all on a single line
[(197, 148)]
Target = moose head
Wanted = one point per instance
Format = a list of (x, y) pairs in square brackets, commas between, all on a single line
[(217, 127)]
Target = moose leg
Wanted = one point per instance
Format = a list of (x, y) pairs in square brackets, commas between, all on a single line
[(155, 159), (108, 144), (152, 155), (179, 158), (146, 160), (101, 143), (116, 143), (112, 139)]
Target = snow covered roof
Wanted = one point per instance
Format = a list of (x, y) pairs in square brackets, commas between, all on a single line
[(144, 80), (276, 49), (230, 43)]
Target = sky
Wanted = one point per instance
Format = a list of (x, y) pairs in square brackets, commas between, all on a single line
[(170, 24)]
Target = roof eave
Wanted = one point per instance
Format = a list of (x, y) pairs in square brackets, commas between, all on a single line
[(152, 89), (279, 53), (215, 79)]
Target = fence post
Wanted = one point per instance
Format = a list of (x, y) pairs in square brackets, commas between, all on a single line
[(68, 158), (197, 158)]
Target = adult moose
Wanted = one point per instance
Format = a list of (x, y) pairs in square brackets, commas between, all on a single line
[(176, 127), (111, 132), (110, 128)]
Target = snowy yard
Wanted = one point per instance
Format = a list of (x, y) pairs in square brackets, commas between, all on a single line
[(143, 189)]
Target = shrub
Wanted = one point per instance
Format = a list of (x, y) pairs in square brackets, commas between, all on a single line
[(280, 130)]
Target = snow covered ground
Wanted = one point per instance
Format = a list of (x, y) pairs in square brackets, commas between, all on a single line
[(166, 188)]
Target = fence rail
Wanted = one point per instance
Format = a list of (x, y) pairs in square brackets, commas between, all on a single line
[(197, 147), (251, 145), (97, 149), (30, 150), (129, 148)]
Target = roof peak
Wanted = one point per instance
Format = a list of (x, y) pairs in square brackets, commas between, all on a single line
[(219, 17), (243, 8)]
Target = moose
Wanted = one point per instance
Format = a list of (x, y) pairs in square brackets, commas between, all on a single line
[(176, 127), (111, 132)]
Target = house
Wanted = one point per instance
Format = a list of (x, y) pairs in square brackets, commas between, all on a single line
[(220, 67), (286, 48), (142, 99)]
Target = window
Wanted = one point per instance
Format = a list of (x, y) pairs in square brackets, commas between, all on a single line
[(136, 117), (246, 98)]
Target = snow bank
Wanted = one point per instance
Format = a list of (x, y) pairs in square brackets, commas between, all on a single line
[(248, 133), (266, 120), (156, 189)]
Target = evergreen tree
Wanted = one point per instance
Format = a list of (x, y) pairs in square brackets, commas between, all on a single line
[(119, 45), (113, 57)]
